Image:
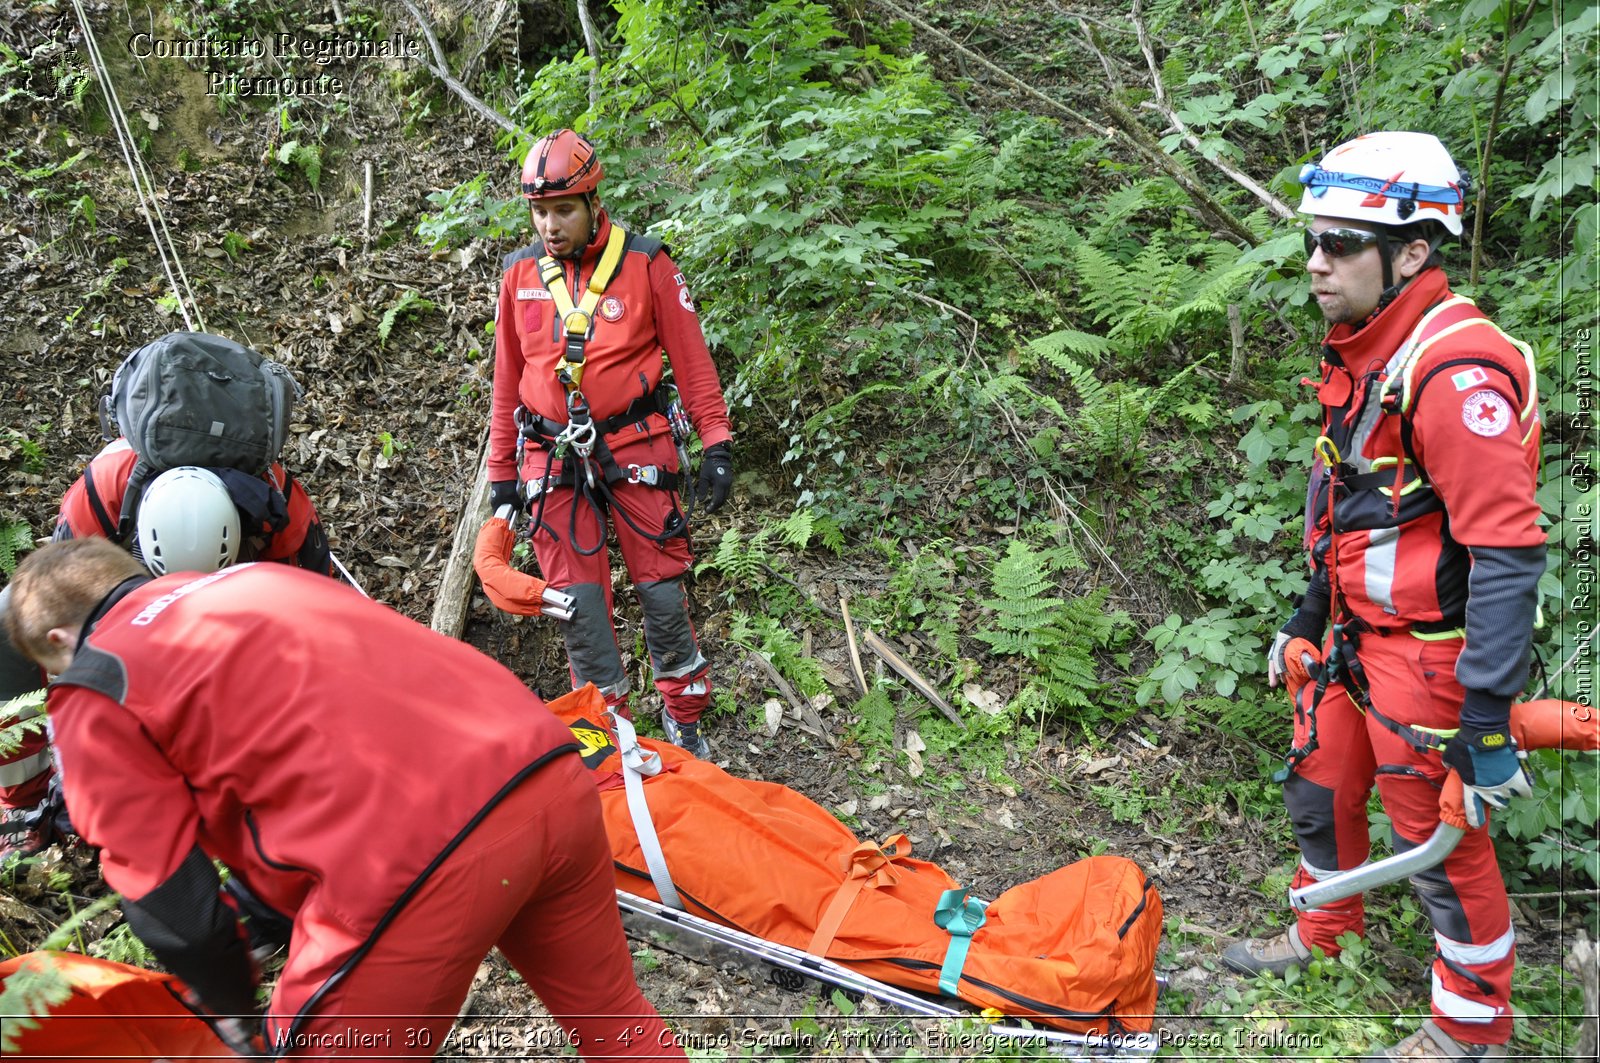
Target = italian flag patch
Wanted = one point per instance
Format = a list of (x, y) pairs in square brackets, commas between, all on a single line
[(1469, 378)]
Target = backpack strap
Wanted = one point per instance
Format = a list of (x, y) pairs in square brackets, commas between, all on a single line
[(138, 479), (108, 527), (1449, 317)]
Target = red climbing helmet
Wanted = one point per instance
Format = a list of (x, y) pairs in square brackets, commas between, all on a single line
[(561, 164)]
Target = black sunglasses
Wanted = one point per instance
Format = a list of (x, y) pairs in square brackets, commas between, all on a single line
[(1339, 243)]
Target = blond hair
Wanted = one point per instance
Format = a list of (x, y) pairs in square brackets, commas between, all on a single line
[(59, 586)]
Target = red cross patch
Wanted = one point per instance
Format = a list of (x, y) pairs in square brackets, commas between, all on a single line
[(611, 308), (1486, 412)]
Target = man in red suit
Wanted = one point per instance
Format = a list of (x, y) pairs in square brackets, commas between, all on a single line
[(405, 801), (1425, 555), (579, 431)]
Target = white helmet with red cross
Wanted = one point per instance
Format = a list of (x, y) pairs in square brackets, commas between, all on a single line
[(1388, 178)]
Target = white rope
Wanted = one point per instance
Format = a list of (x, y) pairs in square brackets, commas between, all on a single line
[(166, 247)]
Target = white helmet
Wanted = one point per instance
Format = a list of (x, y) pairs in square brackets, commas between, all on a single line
[(1388, 178), (187, 522)]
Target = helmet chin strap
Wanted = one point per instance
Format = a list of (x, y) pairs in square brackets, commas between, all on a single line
[(1392, 289)]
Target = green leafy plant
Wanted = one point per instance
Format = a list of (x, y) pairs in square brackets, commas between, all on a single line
[(15, 538), (767, 636), (468, 212), (409, 302), (27, 719), (1215, 650), (30, 993), (307, 158), (1059, 636), (235, 244), (121, 945)]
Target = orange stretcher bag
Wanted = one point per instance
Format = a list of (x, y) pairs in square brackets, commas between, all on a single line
[(114, 1012), (1074, 949)]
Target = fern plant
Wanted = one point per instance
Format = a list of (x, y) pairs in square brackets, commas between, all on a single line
[(16, 537), (1058, 636), (26, 717), (742, 560), (1110, 424), (767, 636), (408, 303)]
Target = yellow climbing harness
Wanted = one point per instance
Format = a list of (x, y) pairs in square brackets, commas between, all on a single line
[(577, 320)]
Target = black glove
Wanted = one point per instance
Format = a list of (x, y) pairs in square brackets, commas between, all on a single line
[(716, 477), (504, 493)]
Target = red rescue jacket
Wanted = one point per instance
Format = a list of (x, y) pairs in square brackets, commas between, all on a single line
[(323, 746), (1402, 518), (646, 311)]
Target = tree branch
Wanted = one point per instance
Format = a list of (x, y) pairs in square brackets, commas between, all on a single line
[(1487, 155), (1149, 53), (1135, 134), (1162, 107), (441, 70), (594, 52), (671, 98)]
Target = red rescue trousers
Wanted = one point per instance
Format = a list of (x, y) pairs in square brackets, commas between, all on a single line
[(533, 879), (681, 673), (1411, 681)]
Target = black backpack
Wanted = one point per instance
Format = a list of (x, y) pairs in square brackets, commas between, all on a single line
[(191, 398)]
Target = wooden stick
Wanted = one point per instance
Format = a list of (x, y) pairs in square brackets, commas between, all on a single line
[(366, 209), (809, 715), (455, 587), (850, 641), (1236, 329), (893, 659)]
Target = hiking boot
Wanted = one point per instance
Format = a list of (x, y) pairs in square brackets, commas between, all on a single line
[(1435, 1046), (686, 736), (1277, 955), (19, 833)]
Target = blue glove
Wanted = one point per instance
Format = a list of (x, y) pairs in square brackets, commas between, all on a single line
[(1490, 769)]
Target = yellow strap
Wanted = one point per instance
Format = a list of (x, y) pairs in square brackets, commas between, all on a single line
[(577, 319), (1439, 636), (1402, 371)]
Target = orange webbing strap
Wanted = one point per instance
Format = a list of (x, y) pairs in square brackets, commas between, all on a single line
[(871, 866), (1453, 803)]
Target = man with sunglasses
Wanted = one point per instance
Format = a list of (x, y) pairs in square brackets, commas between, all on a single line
[(1425, 555)]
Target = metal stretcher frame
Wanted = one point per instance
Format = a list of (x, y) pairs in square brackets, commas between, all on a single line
[(690, 935)]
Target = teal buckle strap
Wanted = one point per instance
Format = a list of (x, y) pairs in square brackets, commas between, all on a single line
[(960, 916)]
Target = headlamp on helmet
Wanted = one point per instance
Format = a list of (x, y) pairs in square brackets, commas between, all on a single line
[(1390, 178)]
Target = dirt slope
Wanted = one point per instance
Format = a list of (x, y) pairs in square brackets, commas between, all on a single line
[(387, 442)]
